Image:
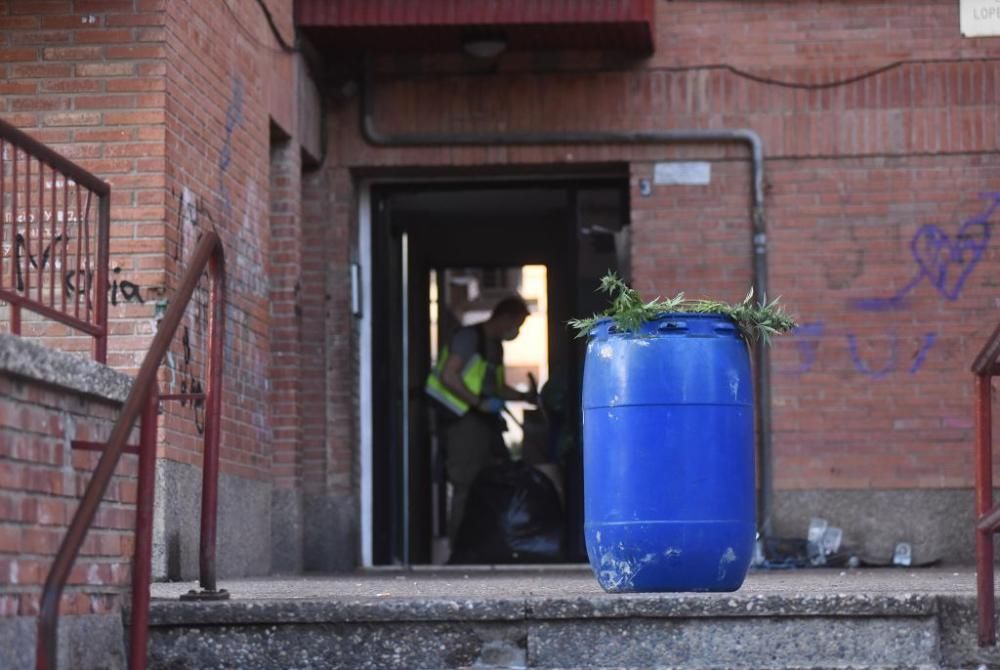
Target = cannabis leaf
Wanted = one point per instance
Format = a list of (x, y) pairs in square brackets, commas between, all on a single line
[(757, 321)]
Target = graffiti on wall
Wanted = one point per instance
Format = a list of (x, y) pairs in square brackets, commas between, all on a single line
[(185, 376), (234, 117), (938, 259), (891, 362), (191, 383), (45, 237), (76, 281), (943, 261), (246, 271), (843, 270)]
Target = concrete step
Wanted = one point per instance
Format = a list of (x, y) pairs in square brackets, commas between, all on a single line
[(561, 620)]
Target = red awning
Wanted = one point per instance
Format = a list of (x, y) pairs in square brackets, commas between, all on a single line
[(443, 25)]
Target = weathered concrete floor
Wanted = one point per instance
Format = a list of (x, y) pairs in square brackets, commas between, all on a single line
[(573, 582)]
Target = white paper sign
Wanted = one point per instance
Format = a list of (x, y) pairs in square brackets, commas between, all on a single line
[(980, 18), (688, 173)]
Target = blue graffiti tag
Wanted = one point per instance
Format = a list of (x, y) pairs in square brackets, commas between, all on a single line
[(234, 117), (808, 338), (921, 356), (892, 364), (944, 261), (862, 366)]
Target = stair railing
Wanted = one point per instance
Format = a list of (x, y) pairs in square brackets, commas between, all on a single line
[(58, 265), (144, 397), (985, 367)]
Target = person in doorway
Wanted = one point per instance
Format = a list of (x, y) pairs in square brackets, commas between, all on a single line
[(468, 383)]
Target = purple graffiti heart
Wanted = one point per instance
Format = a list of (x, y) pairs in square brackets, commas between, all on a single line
[(948, 262)]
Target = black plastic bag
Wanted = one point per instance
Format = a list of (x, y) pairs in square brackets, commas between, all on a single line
[(512, 515)]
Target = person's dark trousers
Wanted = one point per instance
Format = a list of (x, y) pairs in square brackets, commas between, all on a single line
[(472, 442)]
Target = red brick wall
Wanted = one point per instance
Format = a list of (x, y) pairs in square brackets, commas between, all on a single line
[(892, 266), (872, 392), (86, 78), (168, 103), (876, 120), (172, 104), (41, 480), (218, 156), (879, 126), (672, 221)]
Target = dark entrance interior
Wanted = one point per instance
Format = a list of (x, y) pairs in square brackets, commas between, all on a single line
[(475, 232)]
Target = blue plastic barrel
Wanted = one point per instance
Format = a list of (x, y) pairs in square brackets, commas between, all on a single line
[(668, 455)]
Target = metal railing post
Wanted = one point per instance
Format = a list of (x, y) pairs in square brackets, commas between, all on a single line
[(103, 259), (208, 254), (986, 599), (985, 367), (213, 432), (142, 559)]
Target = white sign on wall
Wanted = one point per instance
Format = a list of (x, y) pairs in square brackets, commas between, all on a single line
[(686, 173), (979, 18)]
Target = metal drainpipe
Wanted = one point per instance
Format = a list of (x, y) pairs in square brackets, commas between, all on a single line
[(762, 381)]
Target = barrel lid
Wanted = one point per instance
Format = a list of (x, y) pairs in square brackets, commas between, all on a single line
[(673, 323)]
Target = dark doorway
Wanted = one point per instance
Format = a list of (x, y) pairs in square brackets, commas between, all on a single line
[(482, 233)]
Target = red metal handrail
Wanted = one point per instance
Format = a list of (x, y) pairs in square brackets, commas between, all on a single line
[(985, 367), (31, 211), (144, 394)]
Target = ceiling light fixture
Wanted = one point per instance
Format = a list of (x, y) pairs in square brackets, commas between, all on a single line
[(485, 48)]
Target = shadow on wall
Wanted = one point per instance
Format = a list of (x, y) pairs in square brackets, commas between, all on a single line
[(174, 557)]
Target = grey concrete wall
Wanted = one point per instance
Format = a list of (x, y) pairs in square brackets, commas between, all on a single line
[(244, 524), (330, 535), (286, 532), (938, 523), (91, 642)]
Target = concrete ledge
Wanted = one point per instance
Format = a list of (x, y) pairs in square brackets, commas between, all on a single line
[(959, 635), (558, 594), (738, 605), (560, 619), (817, 642), (22, 358), (166, 613), (646, 644), (411, 646), (345, 611)]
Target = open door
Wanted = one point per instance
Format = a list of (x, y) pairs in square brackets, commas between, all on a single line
[(424, 233)]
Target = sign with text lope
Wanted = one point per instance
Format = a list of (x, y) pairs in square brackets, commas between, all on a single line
[(979, 18)]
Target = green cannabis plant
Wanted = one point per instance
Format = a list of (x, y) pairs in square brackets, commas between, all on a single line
[(757, 321)]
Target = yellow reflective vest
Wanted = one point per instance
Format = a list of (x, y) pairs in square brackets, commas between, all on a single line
[(473, 375)]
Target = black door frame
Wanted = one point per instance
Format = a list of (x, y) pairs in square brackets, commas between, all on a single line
[(387, 533)]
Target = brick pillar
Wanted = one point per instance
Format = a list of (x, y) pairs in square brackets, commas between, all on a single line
[(316, 216), (328, 379), (342, 375), (285, 332)]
